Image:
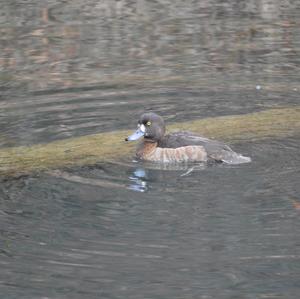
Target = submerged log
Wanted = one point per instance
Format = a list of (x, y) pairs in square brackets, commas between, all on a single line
[(111, 146)]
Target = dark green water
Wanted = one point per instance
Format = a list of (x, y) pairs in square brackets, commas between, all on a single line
[(71, 68)]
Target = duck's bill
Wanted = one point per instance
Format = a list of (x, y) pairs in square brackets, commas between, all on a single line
[(136, 135)]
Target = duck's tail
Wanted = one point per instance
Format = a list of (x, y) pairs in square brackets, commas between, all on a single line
[(235, 158)]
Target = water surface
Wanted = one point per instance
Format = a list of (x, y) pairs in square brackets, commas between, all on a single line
[(128, 229)]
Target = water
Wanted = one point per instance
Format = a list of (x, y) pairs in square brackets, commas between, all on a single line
[(128, 229)]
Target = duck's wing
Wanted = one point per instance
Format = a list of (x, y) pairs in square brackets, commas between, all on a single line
[(216, 150), (178, 139)]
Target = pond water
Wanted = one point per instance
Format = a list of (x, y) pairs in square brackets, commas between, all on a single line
[(135, 230)]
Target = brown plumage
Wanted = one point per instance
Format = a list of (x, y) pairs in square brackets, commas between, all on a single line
[(178, 146)]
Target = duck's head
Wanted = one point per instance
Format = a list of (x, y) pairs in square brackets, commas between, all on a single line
[(151, 126)]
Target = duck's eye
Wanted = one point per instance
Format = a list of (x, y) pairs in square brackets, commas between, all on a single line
[(148, 123)]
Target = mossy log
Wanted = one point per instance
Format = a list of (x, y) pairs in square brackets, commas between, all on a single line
[(111, 146)]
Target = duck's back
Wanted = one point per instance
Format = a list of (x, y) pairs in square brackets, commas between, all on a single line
[(215, 150)]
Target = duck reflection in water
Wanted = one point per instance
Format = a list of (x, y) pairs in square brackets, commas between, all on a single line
[(138, 180), (141, 178)]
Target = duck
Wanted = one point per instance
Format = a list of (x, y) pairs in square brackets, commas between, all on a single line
[(177, 147)]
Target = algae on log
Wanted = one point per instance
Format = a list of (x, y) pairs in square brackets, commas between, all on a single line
[(111, 146)]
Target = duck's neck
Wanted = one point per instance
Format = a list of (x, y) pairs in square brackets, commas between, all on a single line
[(145, 148)]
